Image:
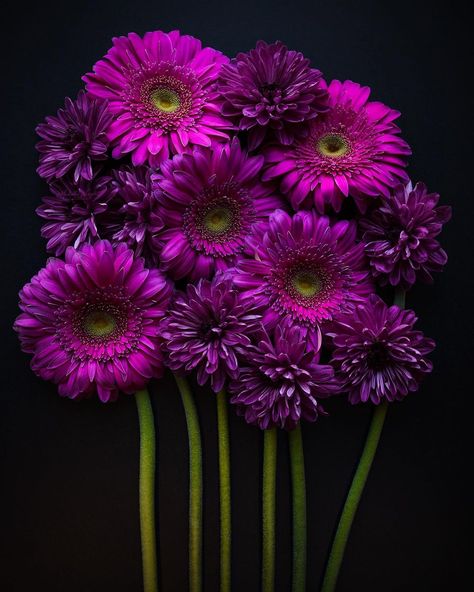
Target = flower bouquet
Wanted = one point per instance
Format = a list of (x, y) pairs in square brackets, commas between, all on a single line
[(238, 220)]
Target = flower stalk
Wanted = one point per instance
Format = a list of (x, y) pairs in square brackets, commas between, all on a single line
[(224, 492), (299, 509), (268, 509)]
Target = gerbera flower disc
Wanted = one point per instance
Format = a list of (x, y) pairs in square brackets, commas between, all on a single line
[(91, 321), (162, 91), (354, 149)]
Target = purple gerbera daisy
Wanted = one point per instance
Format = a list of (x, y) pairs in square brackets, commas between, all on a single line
[(280, 381), (354, 150), (272, 92), (91, 321), (75, 212), (74, 139), (304, 270), (137, 222), (377, 353), (400, 236), (209, 201), (162, 91), (206, 328)]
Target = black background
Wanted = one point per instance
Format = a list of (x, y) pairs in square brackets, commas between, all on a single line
[(69, 470)]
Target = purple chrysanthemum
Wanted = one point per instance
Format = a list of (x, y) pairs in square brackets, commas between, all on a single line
[(162, 91), (91, 321), (400, 236), (354, 150), (206, 328), (209, 201), (137, 222), (377, 353), (272, 92), (280, 381), (74, 139), (75, 212), (303, 270)]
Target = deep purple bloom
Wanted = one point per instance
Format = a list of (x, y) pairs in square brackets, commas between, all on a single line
[(304, 270), (206, 328), (271, 92), (74, 139), (76, 213), (162, 91), (91, 321), (377, 353), (400, 236), (281, 380), (354, 149), (137, 222), (209, 201)]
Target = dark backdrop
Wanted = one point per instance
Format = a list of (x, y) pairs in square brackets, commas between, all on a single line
[(69, 470)]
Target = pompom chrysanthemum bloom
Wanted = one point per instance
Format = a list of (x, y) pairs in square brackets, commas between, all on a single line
[(75, 139), (209, 201), (272, 92), (280, 381), (377, 353), (137, 222), (206, 328), (304, 270), (400, 236), (91, 321), (354, 149), (75, 212), (161, 90)]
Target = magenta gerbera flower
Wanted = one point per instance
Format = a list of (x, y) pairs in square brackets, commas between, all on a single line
[(209, 201), (75, 139), (354, 149), (400, 236), (304, 270), (272, 92), (162, 91), (206, 328), (281, 380), (91, 321), (377, 353), (76, 213), (137, 222)]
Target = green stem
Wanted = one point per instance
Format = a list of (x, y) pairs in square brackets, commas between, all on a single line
[(299, 509), (268, 498), (147, 490), (224, 490), (195, 485), (353, 498)]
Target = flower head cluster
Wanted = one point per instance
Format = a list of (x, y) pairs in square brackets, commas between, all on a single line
[(228, 177), (400, 236), (272, 92)]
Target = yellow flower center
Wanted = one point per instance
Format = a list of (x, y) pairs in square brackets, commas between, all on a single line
[(332, 145), (99, 323), (165, 100), (306, 283), (218, 220)]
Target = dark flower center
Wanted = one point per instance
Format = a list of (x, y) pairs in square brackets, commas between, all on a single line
[(218, 219), (165, 99), (99, 323), (306, 283), (332, 145), (378, 356)]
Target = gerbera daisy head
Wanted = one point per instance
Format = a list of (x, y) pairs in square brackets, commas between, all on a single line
[(75, 139), (354, 149), (91, 321), (137, 222), (162, 92), (281, 380), (304, 270), (377, 353), (272, 92), (209, 201), (206, 328), (75, 213), (400, 236)]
